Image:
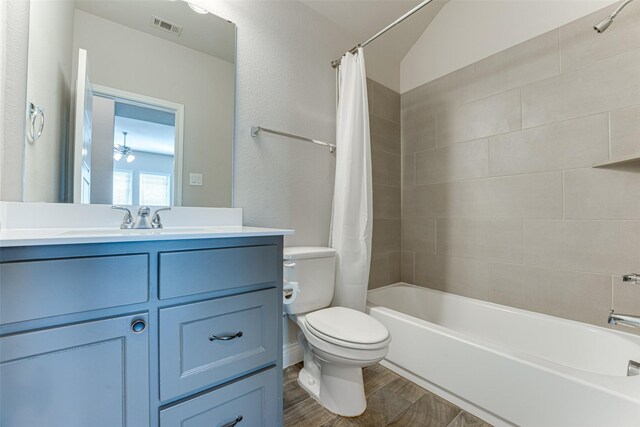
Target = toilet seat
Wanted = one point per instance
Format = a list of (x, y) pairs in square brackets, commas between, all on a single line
[(347, 328)]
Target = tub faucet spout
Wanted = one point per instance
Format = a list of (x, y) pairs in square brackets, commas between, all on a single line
[(624, 319)]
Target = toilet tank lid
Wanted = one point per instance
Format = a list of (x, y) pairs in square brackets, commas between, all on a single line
[(306, 252)]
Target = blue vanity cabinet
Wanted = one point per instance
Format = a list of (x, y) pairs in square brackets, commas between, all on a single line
[(160, 333)]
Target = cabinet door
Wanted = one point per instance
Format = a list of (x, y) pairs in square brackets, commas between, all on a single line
[(88, 374)]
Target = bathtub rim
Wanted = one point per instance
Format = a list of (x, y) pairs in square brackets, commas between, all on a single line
[(521, 311)]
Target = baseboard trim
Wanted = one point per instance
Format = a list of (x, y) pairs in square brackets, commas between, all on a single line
[(292, 353)]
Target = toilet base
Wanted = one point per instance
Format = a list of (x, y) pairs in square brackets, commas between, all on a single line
[(338, 388), (332, 374)]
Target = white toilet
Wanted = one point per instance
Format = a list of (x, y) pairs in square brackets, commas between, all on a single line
[(338, 342)]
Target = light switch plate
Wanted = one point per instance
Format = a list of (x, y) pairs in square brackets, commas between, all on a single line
[(195, 179)]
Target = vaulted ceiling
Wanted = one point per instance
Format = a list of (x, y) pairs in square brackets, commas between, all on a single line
[(364, 18)]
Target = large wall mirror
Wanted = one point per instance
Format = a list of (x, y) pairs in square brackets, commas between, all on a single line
[(129, 102)]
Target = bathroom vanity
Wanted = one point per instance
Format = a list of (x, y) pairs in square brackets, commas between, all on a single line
[(107, 327), (154, 330)]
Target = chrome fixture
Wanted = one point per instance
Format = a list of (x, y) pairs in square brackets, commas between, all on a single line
[(233, 423), (229, 337), (624, 319), (127, 221), (633, 368), (142, 221), (631, 278), (120, 151), (155, 219), (34, 113), (256, 129), (354, 49), (602, 26)]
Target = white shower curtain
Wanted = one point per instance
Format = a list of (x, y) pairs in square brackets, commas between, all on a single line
[(352, 215)]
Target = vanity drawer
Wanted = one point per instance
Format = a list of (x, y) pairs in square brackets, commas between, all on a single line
[(194, 272), (206, 343), (45, 288), (252, 401)]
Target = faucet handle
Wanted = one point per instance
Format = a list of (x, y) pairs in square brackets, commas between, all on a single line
[(155, 220), (127, 222)]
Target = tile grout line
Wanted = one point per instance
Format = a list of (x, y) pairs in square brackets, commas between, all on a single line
[(413, 255), (564, 209), (454, 418), (609, 124), (523, 250), (526, 265)]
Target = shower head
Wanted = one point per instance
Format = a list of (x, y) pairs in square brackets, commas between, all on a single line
[(602, 26)]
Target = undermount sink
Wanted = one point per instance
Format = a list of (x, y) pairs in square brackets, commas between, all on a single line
[(134, 231)]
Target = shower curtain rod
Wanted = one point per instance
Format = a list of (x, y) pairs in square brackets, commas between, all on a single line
[(336, 63)]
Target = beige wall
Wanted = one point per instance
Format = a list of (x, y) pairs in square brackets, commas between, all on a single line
[(500, 201), (284, 82), (384, 124)]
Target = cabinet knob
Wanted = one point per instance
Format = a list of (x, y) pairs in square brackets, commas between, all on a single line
[(233, 423), (138, 326), (225, 337)]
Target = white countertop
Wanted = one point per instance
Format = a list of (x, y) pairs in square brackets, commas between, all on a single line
[(68, 236)]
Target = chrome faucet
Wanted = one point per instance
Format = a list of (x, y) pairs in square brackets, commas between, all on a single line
[(631, 278), (624, 319), (142, 221)]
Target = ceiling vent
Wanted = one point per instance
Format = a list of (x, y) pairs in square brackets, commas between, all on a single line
[(165, 25)]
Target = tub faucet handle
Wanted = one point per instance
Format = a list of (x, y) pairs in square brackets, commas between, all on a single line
[(624, 319), (631, 278)]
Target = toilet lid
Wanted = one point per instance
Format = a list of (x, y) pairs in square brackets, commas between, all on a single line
[(346, 325)]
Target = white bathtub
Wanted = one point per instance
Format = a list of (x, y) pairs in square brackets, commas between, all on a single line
[(510, 366)]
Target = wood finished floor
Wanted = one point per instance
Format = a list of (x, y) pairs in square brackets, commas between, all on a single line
[(391, 401)]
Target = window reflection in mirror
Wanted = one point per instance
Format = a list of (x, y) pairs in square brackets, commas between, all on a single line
[(135, 140)]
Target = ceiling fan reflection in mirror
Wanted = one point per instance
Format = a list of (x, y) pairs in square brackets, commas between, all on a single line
[(122, 151)]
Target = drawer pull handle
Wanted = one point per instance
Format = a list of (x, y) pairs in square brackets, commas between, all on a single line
[(233, 423), (225, 338), (289, 264)]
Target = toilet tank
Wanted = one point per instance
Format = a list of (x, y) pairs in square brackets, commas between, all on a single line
[(313, 269)]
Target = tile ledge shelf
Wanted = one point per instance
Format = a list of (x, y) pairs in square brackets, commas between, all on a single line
[(620, 161)]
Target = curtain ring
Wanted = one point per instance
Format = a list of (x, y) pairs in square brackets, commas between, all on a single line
[(34, 112)]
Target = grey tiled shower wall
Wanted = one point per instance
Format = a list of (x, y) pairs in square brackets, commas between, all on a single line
[(384, 125), (499, 199)]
